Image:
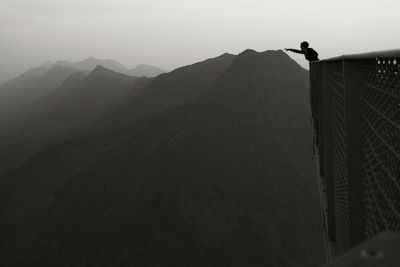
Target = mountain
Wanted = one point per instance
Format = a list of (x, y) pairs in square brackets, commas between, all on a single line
[(77, 108), (224, 180), (166, 91), (16, 151), (91, 63), (30, 86), (70, 108), (36, 82), (21, 83), (10, 126), (33, 109), (28, 76), (145, 70)]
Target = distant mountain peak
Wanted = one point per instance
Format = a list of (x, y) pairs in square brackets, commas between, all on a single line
[(91, 63), (101, 71), (47, 64), (227, 55), (264, 53), (249, 51), (271, 58), (100, 68), (96, 60), (146, 70)]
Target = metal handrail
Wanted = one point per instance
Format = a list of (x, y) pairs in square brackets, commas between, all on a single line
[(395, 53)]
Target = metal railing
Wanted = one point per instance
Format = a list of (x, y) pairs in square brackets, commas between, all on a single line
[(355, 103)]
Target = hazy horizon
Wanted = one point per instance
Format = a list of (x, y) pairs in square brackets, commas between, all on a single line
[(170, 34)]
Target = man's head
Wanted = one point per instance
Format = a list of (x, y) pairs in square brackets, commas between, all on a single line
[(304, 45)]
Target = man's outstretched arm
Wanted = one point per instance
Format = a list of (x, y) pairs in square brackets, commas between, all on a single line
[(295, 50)]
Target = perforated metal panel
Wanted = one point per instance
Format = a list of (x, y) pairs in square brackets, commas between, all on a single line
[(337, 89), (381, 132), (356, 111)]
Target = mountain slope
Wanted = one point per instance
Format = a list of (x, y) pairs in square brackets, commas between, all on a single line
[(17, 144), (62, 114), (226, 180), (145, 70), (76, 102), (38, 106), (30, 86), (166, 91), (26, 77)]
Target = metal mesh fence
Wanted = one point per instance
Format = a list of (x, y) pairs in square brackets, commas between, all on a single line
[(335, 84), (381, 132), (358, 98)]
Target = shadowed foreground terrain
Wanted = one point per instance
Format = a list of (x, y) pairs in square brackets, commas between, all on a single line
[(224, 180)]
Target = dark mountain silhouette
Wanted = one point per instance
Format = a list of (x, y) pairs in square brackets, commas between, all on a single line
[(30, 86), (166, 91), (145, 70), (71, 107), (226, 180), (16, 151)]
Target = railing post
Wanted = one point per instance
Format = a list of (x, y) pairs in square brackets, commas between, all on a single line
[(352, 70)]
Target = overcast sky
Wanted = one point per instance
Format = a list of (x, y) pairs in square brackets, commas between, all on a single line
[(172, 33)]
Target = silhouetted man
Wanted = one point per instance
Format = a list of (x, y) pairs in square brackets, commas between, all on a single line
[(310, 54)]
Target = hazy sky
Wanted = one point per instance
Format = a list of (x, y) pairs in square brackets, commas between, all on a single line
[(172, 33)]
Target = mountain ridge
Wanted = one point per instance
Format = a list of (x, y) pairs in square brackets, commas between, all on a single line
[(14, 96), (211, 182), (91, 63), (146, 70), (70, 108), (168, 90)]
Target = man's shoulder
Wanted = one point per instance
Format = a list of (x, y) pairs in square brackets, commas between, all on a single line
[(312, 52)]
